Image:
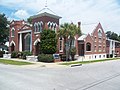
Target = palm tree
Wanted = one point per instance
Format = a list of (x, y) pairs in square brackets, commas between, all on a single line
[(68, 32)]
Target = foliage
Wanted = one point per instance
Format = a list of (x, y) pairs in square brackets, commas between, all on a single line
[(14, 54), (73, 52), (1, 53), (68, 30), (4, 31), (29, 20), (90, 61), (25, 53), (63, 57), (21, 55), (45, 58), (12, 62), (113, 35), (48, 42)]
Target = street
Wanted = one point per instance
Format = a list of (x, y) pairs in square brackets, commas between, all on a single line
[(94, 76)]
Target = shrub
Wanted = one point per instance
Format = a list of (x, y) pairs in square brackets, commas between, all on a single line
[(48, 43), (73, 52), (45, 58), (1, 53), (25, 53), (63, 57), (14, 54), (111, 55)]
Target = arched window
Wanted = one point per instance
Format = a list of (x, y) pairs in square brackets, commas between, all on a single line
[(41, 24), (27, 42), (88, 47), (61, 44), (39, 27), (52, 26), (55, 27), (12, 32), (35, 27), (49, 26), (99, 33)]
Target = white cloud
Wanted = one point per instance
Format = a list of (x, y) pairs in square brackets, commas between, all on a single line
[(21, 14), (87, 11)]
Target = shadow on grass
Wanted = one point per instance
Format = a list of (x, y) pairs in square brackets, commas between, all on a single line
[(87, 62), (12, 62)]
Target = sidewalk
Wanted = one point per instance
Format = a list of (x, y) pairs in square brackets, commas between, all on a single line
[(37, 64)]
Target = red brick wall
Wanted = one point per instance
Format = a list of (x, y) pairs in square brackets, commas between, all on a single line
[(17, 25), (99, 42), (88, 39)]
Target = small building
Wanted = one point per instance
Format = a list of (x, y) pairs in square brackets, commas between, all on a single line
[(112, 48)]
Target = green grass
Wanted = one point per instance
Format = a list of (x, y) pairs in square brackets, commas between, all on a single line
[(87, 62), (12, 62)]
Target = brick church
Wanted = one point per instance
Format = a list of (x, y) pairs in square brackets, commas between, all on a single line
[(26, 37)]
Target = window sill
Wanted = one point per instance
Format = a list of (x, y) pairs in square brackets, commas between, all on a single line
[(36, 32), (88, 51), (60, 50), (12, 36)]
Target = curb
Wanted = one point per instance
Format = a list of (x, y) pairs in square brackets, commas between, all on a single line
[(76, 65)]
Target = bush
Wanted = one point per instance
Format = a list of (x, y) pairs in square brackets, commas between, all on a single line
[(63, 57), (24, 54), (111, 55), (48, 44), (1, 53), (14, 54), (73, 52), (45, 58)]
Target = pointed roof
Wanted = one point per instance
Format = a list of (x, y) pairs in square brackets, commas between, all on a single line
[(82, 37), (88, 28), (46, 12)]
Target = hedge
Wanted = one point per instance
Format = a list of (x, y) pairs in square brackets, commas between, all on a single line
[(45, 58), (1, 53)]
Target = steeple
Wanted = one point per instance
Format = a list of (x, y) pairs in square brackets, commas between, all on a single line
[(46, 3), (46, 12)]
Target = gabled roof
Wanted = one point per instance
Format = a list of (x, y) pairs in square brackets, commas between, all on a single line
[(82, 37), (46, 12), (25, 27), (88, 28)]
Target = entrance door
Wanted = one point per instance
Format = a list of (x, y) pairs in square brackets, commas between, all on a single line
[(37, 47), (12, 47), (81, 49)]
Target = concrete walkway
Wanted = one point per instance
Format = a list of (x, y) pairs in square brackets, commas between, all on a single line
[(37, 64)]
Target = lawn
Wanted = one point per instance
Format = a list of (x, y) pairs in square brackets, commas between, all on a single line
[(12, 62), (87, 62)]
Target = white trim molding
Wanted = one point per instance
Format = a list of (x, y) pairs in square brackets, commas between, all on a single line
[(26, 31), (12, 42), (36, 41)]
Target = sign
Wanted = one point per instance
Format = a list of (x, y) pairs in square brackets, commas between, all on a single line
[(56, 56)]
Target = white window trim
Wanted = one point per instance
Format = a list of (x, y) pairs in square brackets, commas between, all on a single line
[(12, 33), (62, 45)]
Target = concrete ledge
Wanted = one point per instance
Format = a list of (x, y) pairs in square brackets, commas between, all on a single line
[(74, 65), (32, 58), (7, 56)]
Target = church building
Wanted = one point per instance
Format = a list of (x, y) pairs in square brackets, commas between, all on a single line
[(26, 37)]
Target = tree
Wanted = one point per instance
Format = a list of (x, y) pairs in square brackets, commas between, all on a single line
[(29, 20), (113, 35), (48, 42), (68, 31), (4, 31)]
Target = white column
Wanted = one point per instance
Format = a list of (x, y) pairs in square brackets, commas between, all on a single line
[(20, 42), (31, 43)]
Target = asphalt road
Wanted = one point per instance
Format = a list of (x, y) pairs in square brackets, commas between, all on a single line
[(97, 76)]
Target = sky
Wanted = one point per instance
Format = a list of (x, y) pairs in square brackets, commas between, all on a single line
[(107, 12)]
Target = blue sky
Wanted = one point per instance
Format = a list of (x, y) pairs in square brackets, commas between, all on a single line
[(87, 11)]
